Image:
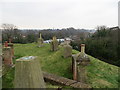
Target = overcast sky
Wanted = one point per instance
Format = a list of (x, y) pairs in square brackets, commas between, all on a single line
[(44, 14)]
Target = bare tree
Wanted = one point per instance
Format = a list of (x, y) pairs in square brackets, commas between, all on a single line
[(8, 30), (8, 26)]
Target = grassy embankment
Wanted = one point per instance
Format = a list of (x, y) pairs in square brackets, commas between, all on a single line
[(100, 74)]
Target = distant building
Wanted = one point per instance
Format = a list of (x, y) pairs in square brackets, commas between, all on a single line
[(75, 37), (23, 36), (47, 41), (68, 40), (59, 40)]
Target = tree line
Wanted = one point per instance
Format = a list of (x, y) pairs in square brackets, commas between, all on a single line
[(104, 44), (29, 36)]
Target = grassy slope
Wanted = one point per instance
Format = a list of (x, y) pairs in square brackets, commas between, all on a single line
[(100, 74)]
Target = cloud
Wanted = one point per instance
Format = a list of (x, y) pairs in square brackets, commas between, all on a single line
[(60, 13)]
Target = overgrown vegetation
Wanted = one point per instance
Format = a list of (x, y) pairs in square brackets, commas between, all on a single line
[(103, 44), (100, 74)]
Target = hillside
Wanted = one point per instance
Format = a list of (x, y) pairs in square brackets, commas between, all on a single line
[(100, 74)]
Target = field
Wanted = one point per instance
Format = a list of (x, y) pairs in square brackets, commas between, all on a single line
[(100, 74)]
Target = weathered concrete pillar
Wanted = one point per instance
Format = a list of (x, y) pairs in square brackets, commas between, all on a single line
[(54, 44), (74, 68), (7, 56), (40, 41), (12, 49), (10, 44), (82, 74), (28, 73), (67, 51), (81, 60), (82, 48)]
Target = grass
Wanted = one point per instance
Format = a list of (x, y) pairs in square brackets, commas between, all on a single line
[(51, 62), (100, 74)]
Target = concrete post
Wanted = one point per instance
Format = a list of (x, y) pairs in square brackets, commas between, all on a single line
[(83, 48), (10, 44), (7, 56), (67, 52), (40, 41), (28, 73), (12, 48), (54, 44), (74, 68), (82, 74), (80, 61), (40, 35)]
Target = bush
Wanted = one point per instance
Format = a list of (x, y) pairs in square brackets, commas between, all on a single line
[(103, 44)]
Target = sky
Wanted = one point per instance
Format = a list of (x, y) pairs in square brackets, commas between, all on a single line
[(49, 14)]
